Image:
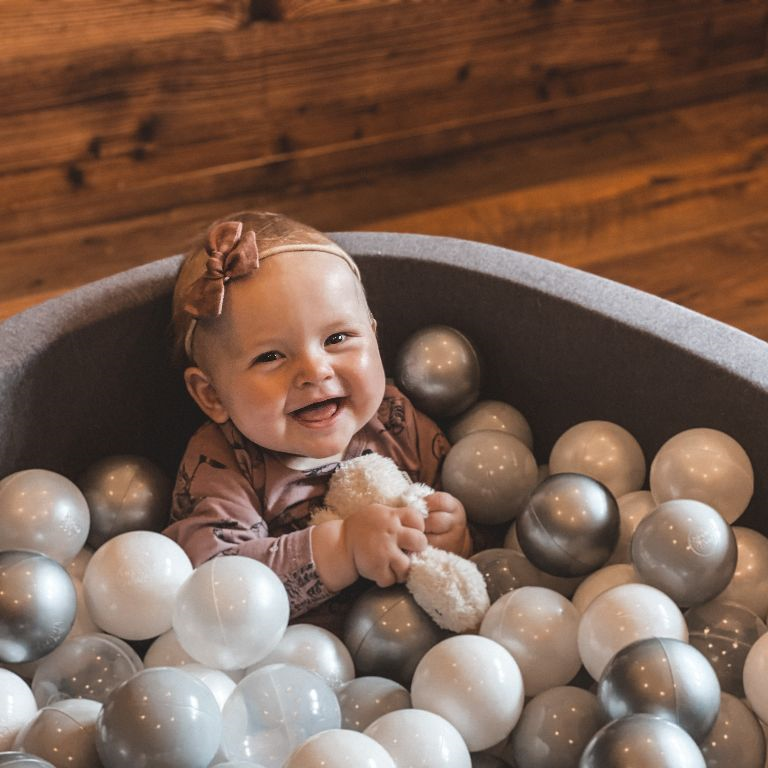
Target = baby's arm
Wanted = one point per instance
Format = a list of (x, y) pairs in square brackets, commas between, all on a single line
[(372, 543)]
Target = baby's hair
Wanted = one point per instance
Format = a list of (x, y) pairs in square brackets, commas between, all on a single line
[(273, 232)]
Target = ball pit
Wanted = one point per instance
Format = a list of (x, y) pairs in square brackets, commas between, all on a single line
[(550, 368)]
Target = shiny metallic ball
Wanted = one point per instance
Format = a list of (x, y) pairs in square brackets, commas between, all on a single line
[(664, 677), (387, 633), (570, 525), (439, 369), (38, 603), (125, 493), (641, 740)]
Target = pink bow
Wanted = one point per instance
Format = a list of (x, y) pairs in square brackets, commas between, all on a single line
[(230, 255)]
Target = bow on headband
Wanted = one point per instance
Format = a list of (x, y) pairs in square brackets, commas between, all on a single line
[(230, 255)]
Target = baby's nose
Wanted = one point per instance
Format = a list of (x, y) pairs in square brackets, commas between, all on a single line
[(315, 368)]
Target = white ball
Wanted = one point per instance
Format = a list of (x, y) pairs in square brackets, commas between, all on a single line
[(420, 738), (749, 584), (492, 414), (313, 648), (17, 707), (621, 615), (602, 450), (220, 683), (131, 583), (600, 581), (475, 684), (705, 465), (339, 748), (633, 507), (367, 698), (219, 606), (538, 627), (755, 676)]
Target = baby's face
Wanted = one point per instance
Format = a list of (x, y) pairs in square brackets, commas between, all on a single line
[(294, 360)]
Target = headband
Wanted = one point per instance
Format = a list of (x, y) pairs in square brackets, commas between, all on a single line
[(232, 255)]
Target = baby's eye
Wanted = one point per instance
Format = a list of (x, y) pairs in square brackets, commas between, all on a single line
[(267, 357), (336, 338)]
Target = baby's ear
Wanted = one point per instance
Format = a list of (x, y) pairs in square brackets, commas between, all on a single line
[(205, 395)]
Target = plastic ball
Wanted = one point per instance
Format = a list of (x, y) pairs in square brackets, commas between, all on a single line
[(43, 511), (749, 584), (686, 549), (273, 710), (23, 760), (554, 729), (17, 707), (220, 683), (418, 737), (570, 525), (165, 651), (598, 582), (387, 634), (736, 738), (491, 473), (365, 699), (475, 684), (642, 740), (63, 733), (492, 414), (724, 633), (487, 760), (706, 465), (77, 565), (664, 677), (438, 368), (338, 748), (602, 450), (161, 717), (131, 584), (85, 667), (633, 507), (313, 648), (38, 605), (218, 607), (755, 675), (538, 627), (621, 615), (125, 493)]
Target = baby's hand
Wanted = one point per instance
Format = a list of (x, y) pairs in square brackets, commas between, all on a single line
[(378, 539), (446, 524)]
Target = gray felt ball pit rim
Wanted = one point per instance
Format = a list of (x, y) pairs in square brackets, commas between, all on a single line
[(562, 345)]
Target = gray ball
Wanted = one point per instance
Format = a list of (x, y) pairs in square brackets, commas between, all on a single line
[(663, 677), (570, 525), (125, 493), (438, 368), (387, 633), (38, 604), (642, 740), (161, 717), (22, 760)]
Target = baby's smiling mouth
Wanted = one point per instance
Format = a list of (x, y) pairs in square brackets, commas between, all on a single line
[(319, 411)]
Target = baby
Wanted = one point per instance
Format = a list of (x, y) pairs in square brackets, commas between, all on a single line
[(279, 351)]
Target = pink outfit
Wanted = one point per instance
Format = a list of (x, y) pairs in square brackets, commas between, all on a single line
[(233, 497)]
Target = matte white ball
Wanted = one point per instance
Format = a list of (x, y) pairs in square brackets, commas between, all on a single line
[(538, 626), (492, 414), (438, 368), (706, 465), (43, 511), (367, 698), (602, 450), (600, 581), (220, 604), (621, 615), (17, 707), (475, 684), (131, 584), (749, 584), (755, 675), (420, 738), (315, 649), (339, 748), (491, 473)]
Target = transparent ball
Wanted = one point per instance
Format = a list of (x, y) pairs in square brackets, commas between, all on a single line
[(367, 698)]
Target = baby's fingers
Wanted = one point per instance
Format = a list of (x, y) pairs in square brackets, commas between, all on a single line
[(412, 518), (411, 540)]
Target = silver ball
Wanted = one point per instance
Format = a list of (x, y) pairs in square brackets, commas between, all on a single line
[(641, 740), (22, 760), (663, 677), (438, 368), (387, 633), (570, 525), (125, 493), (686, 549), (38, 603)]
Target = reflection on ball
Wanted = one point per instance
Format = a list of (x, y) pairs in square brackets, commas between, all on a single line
[(438, 368), (492, 414)]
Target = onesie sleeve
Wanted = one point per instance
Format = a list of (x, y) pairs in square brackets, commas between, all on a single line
[(218, 509)]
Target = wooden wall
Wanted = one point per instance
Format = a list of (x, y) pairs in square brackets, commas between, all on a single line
[(127, 124)]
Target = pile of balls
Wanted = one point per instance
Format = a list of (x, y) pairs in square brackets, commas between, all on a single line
[(626, 627)]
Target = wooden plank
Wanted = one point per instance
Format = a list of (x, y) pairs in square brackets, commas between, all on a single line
[(301, 9)]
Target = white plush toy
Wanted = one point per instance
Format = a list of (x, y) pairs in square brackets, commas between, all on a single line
[(449, 588)]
